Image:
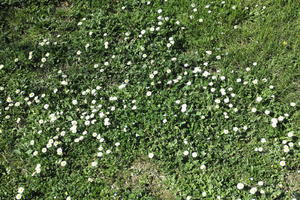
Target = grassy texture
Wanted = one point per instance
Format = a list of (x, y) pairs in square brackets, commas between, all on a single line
[(178, 112)]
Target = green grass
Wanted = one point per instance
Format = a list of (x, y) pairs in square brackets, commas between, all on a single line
[(194, 157)]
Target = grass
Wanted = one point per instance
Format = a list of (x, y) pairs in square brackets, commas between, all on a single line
[(171, 100)]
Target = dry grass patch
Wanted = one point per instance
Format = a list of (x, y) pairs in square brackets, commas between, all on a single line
[(293, 182), (144, 174)]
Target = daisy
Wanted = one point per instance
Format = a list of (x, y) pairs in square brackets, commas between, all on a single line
[(94, 164), (151, 155), (185, 153), (260, 183), (149, 93), (267, 112), (263, 140), (19, 196), (59, 151), (151, 76), (217, 101), (74, 102), (258, 99), (253, 110), (282, 163), (208, 52), (20, 190), (280, 118), (253, 190), (274, 121), (38, 168), (64, 82), (183, 107), (290, 134), (63, 163), (240, 186), (113, 98)]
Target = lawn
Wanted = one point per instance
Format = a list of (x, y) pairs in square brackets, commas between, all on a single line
[(161, 99)]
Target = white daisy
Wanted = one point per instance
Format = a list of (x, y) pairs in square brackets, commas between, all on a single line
[(203, 167), (282, 163), (290, 134), (240, 186), (149, 93), (260, 183), (19, 196), (63, 163), (99, 154), (20, 190), (183, 107), (151, 155), (185, 153), (94, 164), (258, 99), (194, 154), (253, 190)]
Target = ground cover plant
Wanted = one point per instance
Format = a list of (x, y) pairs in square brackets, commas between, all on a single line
[(149, 99)]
